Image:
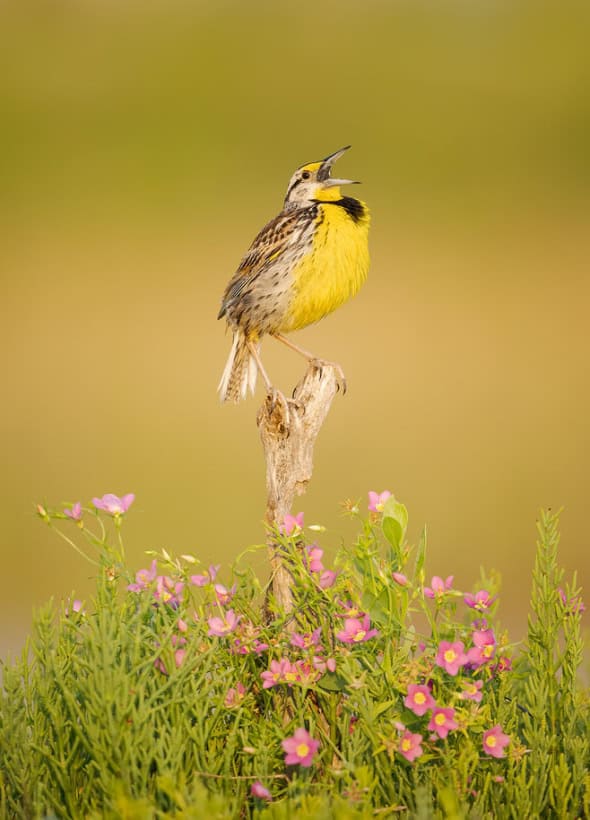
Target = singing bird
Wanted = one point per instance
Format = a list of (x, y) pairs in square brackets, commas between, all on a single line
[(303, 264)]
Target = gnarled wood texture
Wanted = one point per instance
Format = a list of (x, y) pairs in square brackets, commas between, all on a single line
[(288, 437)]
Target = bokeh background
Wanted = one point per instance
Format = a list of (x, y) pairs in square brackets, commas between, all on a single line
[(142, 147)]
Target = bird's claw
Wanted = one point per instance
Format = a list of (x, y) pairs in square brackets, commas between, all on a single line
[(319, 364), (275, 397)]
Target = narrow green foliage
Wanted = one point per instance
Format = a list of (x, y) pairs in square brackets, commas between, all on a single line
[(172, 695), (555, 721)]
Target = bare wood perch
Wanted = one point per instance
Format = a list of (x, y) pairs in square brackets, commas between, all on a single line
[(288, 440)]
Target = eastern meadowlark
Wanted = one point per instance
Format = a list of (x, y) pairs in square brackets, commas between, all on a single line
[(303, 264)]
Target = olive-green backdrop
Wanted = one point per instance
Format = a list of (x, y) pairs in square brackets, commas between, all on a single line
[(142, 146)]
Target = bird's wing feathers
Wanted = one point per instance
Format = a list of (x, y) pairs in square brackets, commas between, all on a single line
[(271, 242)]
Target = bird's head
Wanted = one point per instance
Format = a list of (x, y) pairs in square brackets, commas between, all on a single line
[(312, 183)]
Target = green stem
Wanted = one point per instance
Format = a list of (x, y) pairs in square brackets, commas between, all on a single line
[(75, 546)]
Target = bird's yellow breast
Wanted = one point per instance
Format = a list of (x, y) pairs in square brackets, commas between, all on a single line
[(335, 266)]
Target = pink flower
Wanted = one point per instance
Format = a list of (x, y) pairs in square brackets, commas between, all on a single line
[(314, 564), (235, 696), (77, 606), (206, 577), (451, 656), (177, 642), (484, 649), (472, 691), (291, 673), (314, 555), (280, 672), (300, 748), (75, 512), (144, 577), (247, 640), (114, 505), (572, 605), (409, 745), (442, 721), (377, 500), (350, 610), (258, 790), (400, 579), (438, 586), (494, 741), (419, 699), (481, 600), (220, 627), (223, 594), (504, 665), (168, 591), (356, 631), (327, 579), (307, 640), (306, 674), (323, 665), (292, 524)]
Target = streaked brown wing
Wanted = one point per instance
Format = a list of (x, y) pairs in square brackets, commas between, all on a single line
[(270, 243)]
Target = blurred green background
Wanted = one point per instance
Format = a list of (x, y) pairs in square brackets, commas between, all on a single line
[(143, 145)]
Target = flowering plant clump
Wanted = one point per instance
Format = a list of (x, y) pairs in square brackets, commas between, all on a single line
[(183, 689)]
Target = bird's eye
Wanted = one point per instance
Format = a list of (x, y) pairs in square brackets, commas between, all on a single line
[(305, 175)]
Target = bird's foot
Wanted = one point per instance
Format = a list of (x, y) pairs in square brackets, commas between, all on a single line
[(279, 403), (320, 364)]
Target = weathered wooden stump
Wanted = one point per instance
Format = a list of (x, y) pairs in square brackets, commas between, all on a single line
[(288, 434)]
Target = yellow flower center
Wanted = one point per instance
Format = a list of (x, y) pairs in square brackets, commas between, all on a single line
[(379, 506), (487, 650), (406, 745), (439, 719), (291, 676), (491, 741), (450, 655), (360, 635), (419, 697), (302, 750)]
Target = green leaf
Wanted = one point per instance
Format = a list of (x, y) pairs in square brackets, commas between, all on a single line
[(383, 707), (376, 606), (395, 522), (332, 682)]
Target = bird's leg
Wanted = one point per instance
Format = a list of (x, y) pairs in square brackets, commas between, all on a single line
[(314, 360), (254, 352), (275, 394)]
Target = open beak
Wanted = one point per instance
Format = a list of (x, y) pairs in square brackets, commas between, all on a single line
[(326, 167)]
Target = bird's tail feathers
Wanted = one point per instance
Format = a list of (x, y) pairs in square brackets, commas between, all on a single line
[(240, 371)]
